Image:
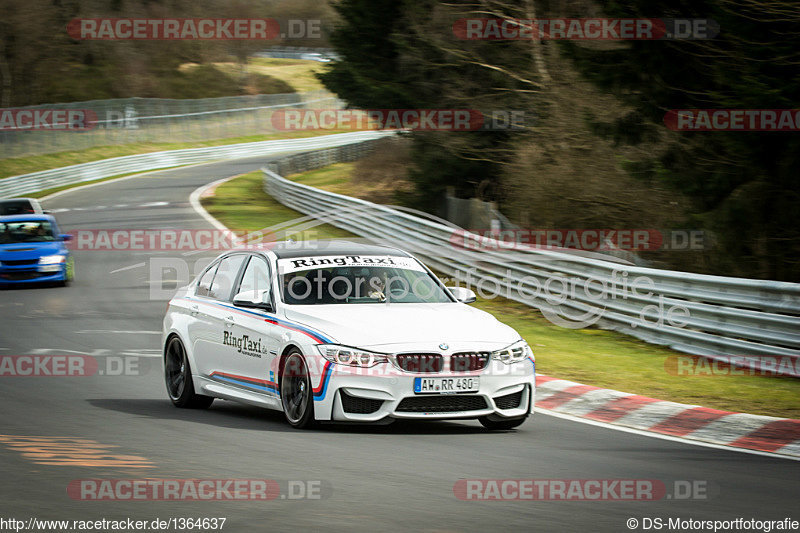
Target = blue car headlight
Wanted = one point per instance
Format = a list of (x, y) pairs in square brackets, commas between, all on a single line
[(52, 259)]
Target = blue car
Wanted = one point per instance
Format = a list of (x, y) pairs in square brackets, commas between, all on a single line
[(33, 251)]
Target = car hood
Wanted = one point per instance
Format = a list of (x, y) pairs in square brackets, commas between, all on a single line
[(30, 250), (396, 327)]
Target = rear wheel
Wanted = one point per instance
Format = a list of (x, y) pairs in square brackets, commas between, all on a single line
[(297, 395), (178, 377)]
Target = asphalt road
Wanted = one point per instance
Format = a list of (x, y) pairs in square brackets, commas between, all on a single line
[(399, 477)]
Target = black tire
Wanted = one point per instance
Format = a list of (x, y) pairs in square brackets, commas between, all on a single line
[(297, 395), (178, 378), (509, 423)]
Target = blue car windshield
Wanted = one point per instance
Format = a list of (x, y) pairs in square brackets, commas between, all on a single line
[(21, 231)]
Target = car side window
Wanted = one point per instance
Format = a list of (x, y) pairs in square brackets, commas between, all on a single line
[(225, 277), (256, 276), (205, 282)]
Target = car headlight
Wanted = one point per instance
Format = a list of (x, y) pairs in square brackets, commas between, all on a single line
[(52, 259), (345, 355), (513, 354)]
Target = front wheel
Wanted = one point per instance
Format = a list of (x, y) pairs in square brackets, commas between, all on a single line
[(178, 377), (69, 272), (297, 396), (509, 423)]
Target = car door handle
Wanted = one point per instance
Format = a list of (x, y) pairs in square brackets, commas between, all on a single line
[(229, 321), (194, 309)]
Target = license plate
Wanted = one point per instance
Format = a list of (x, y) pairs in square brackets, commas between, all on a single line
[(446, 385)]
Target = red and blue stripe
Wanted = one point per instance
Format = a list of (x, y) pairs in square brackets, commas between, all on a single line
[(261, 385), (316, 336), (322, 388)]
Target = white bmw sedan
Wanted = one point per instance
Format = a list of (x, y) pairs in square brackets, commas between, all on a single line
[(342, 332)]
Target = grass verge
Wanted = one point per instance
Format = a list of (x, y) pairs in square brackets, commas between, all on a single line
[(298, 73), (242, 205), (16, 166), (592, 356)]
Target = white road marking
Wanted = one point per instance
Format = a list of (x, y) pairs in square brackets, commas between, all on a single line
[(115, 180), (661, 436), (194, 200), (99, 207), (132, 332), (137, 265)]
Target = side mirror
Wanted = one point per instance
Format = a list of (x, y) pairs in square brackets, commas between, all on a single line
[(254, 299), (463, 294), (66, 237)]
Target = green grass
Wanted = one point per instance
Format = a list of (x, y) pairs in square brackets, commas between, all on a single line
[(333, 178), (76, 81), (612, 360), (298, 73), (23, 165), (242, 205), (591, 356)]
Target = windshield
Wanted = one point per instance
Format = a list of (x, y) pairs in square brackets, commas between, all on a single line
[(357, 280), (26, 231), (15, 207)]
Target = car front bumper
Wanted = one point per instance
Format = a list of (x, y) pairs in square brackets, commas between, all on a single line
[(355, 397), (34, 273)]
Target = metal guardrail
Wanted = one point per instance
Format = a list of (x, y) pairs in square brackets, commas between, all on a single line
[(139, 120), (321, 158), (719, 316), (298, 52), (724, 316), (87, 172)]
